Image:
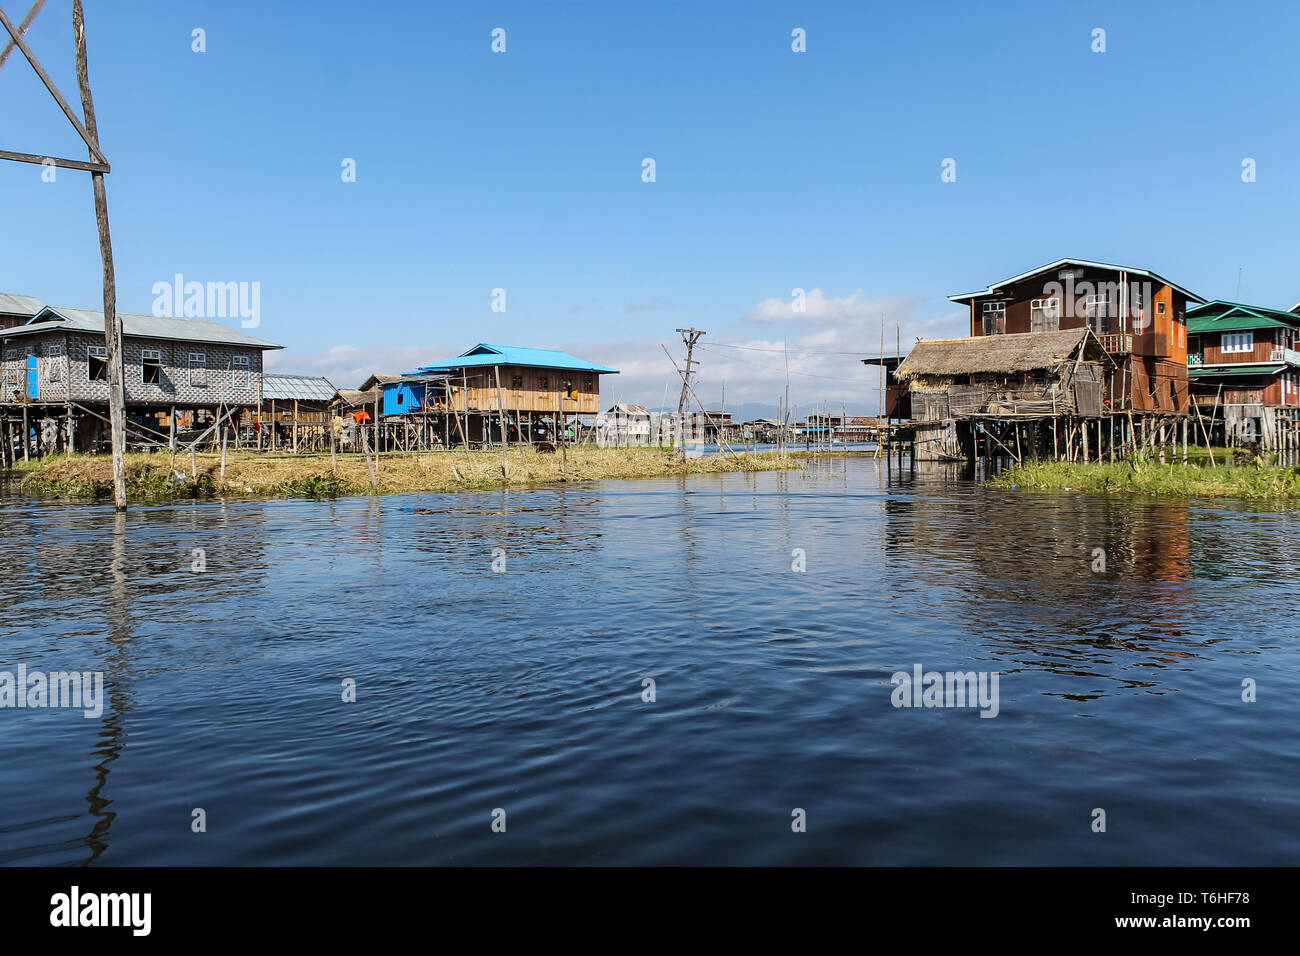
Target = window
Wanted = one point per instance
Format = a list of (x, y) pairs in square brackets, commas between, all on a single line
[(1160, 308), (401, 399), (1098, 310), (586, 385), (543, 383), (995, 318), (54, 368), (1238, 342), (239, 371), (198, 369), (96, 363), (516, 382), (151, 366), (1044, 315)]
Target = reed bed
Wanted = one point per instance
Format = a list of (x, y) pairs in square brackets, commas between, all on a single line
[(1254, 479), (154, 476)]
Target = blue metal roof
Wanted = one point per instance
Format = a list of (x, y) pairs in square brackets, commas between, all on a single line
[(489, 355)]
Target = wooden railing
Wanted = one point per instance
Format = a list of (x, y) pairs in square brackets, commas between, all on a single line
[(1116, 342)]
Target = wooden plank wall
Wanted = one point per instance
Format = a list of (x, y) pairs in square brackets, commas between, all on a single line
[(528, 389)]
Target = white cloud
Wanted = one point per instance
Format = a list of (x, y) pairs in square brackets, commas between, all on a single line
[(854, 309), (347, 366), (824, 359)]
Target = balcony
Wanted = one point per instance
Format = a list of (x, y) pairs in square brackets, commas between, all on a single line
[(1116, 343), (1195, 359), (1289, 356)]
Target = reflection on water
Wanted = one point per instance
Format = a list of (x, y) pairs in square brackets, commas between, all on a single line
[(1123, 630)]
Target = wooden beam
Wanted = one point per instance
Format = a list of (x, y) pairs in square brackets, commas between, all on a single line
[(78, 27), (22, 29), (88, 166)]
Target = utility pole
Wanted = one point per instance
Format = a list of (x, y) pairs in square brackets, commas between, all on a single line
[(97, 165), (690, 337)]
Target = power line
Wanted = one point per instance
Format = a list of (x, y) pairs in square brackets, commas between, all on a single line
[(787, 349), (825, 378)]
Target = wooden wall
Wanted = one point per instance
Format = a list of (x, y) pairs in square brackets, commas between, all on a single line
[(1162, 335), (527, 389), (1265, 341)]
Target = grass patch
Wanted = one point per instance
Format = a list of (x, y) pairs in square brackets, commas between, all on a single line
[(1253, 479), (150, 476)]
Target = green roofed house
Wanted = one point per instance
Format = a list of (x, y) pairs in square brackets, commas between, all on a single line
[(1243, 362)]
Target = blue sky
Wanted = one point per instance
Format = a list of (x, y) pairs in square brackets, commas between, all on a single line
[(775, 170)]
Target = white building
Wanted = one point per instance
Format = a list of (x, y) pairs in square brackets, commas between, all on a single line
[(623, 425)]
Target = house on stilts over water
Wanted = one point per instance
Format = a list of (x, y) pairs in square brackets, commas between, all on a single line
[(494, 393), (181, 376), (1244, 365), (1075, 359)]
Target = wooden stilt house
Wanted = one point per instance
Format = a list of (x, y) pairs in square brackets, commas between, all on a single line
[(492, 393)]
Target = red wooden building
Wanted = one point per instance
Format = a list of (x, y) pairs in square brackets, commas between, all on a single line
[(1139, 317)]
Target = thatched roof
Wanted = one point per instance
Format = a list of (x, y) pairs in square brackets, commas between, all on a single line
[(999, 354), (355, 398)]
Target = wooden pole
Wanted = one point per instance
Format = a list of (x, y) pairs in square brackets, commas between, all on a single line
[(112, 324), (365, 448), (334, 456), (559, 428), (501, 419), (224, 429)]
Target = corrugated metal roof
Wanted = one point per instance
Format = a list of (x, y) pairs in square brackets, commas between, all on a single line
[(379, 378), (1087, 263), (489, 355), (1226, 316), (11, 303), (141, 326), (1220, 370), (301, 387)]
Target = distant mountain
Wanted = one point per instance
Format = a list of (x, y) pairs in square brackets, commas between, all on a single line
[(749, 411)]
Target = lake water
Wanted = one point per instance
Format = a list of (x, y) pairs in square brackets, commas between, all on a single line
[(523, 689)]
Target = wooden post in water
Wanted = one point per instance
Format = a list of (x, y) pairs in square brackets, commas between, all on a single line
[(112, 324)]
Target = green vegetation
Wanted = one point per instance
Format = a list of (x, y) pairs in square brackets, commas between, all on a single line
[(153, 476), (1253, 479)]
